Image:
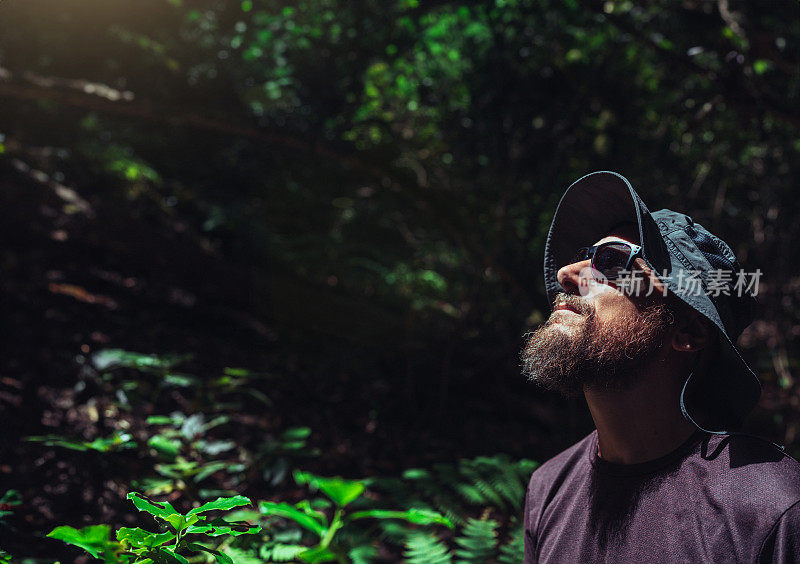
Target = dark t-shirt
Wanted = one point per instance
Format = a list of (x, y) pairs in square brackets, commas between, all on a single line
[(714, 499)]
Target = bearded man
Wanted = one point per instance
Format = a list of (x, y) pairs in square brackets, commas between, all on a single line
[(646, 311)]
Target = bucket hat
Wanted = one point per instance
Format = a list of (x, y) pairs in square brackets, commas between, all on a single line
[(678, 250)]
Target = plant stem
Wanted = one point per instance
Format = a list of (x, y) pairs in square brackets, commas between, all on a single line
[(336, 524)]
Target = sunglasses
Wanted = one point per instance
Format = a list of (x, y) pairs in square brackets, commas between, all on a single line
[(609, 259)]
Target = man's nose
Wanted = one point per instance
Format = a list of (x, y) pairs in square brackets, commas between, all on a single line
[(576, 277)]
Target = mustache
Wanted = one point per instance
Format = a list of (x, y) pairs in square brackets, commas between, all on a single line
[(574, 302)]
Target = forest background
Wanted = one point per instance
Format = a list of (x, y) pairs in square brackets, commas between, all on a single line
[(310, 234)]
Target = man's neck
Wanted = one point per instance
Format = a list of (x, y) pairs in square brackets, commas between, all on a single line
[(641, 423)]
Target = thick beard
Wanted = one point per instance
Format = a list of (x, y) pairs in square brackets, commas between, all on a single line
[(609, 357)]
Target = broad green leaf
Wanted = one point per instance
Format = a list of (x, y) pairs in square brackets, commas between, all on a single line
[(116, 442), (112, 358), (160, 509), (140, 538), (296, 434), (290, 512), (417, 516), (341, 491), (222, 504), (11, 497), (209, 469), (182, 468), (93, 539), (167, 448), (160, 420), (181, 522), (286, 552), (317, 554)]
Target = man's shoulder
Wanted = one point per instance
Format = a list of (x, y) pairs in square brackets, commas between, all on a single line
[(574, 459), (752, 465)]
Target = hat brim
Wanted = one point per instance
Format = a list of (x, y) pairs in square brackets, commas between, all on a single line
[(588, 210)]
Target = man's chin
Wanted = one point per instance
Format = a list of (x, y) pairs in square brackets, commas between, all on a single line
[(552, 357)]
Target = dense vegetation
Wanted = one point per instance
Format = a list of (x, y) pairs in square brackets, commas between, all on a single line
[(253, 244)]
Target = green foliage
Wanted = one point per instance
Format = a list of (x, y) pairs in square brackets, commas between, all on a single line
[(8, 501), (494, 482), (426, 548), (184, 535), (511, 551), (119, 441), (342, 492), (275, 456), (117, 358), (94, 539), (381, 175), (477, 541), (187, 456), (337, 536), (485, 485)]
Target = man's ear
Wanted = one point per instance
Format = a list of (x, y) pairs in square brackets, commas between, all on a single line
[(692, 332)]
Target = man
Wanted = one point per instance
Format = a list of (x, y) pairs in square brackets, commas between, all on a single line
[(646, 310)]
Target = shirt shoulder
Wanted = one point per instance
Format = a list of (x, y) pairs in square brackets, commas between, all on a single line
[(555, 470), (782, 544), (550, 476), (755, 466)]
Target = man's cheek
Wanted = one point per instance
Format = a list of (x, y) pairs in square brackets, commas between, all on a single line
[(589, 288)]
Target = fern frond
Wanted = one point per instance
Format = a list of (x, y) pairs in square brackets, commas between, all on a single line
[(241, 556), (363, 554), (286, 552), (426, 548), (512, 551), (477, 541)]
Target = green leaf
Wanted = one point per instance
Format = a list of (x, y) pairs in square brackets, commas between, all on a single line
[(286, 552), (117, 441), (317, 554), (140, 538), (219, 556), (160, 420), (296, 434), (159, 509), (165, 447), (93, 539), (209, 469), (112, 358), (11, 497), (761, 66), (290, 512), (221, 503), (341, 491), (417, 516)]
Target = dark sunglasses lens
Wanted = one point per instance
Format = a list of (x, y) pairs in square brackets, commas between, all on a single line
[(610, 260)]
